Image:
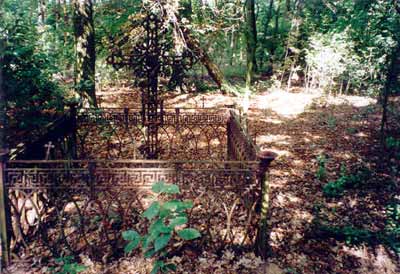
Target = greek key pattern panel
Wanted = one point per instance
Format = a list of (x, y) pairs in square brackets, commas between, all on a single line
[(31, 178), (117, 116), (134, 117), (186, 119), (97, 177)]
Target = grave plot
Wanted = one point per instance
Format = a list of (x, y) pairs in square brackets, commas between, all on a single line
[(75, 189)]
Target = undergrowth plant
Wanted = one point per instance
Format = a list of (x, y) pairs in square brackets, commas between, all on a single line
[(335, 189), (321, 171), (392, 228), (351, 235), (69, 266), (166, 222)]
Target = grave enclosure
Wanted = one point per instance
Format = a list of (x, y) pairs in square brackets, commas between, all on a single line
[(78, 193)]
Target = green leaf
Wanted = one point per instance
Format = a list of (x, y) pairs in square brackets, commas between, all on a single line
[(131, 246), (152, 211), (168, 267), (150, 238), (178, 221), (186, 205), (176, 205), (162, 241), (159, 226), (162, 187), (189, 233), (172, 189), (158, 265), (130, 235), (80, 268), (149, 253)]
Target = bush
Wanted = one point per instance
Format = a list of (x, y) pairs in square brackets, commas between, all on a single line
[(167, 219), (28, 76)]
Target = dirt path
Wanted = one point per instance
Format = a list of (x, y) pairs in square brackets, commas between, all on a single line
[(345, 131)]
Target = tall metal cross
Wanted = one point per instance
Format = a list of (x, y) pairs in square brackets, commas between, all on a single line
[(149, 59), (48, 148)]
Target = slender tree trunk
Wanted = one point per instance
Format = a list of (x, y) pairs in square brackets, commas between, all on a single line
[(66, 20), (266, 27), (3, 104), (251, 41), (213, 70), (171, 10), (57, 12), (391, 79), (42, 12), (85, 51), (232, 48)]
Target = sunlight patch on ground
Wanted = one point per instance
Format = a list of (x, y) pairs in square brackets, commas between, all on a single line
[(284, 103), (277, 139), (270, 120), (355, 101), (279, 152), (361, 134), (372, 261)]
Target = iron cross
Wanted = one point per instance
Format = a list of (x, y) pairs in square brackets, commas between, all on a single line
[(48, 147)]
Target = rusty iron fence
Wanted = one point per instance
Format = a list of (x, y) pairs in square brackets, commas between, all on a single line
[(183, 133), (53, 208)]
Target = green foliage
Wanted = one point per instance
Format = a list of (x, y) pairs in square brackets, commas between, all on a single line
[(165, 217), (321, 172), (68, 266), (352, 235), (28, 75), (331, 122), (392, 228), (335, 189), (393, 143)]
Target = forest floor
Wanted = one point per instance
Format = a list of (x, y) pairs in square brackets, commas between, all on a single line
[(316, 138)]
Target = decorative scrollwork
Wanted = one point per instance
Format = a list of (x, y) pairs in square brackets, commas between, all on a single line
[(81, 206)]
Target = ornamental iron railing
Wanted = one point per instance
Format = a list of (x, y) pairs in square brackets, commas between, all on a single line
[(62, 208)]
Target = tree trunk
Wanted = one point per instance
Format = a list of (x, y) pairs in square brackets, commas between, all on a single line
[(42, 12), (212, 69), (57, 12), (391, 79), (85, 51), (266, 27), (251, 41), (3, 105), (171, 10)]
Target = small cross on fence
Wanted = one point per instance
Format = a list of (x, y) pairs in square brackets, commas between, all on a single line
[(48, 148)]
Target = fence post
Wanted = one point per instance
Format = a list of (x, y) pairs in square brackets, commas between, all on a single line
[(229, 133), (177, 115), (126, 118), (74, 128), (265, 158), (5, 218), (92, 179)]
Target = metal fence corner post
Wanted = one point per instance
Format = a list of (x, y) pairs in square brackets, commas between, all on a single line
[(265, 158), (5, 217)]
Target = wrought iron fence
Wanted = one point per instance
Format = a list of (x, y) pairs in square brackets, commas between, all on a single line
[(72, 207), (183, 133), (59, 207)]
